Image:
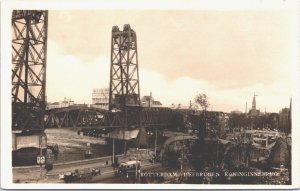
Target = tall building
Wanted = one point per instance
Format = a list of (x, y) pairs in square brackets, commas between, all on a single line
[(100, 98)]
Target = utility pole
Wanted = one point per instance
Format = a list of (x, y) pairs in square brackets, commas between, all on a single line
[(113, 159), (41, 159), (217, 151), (41, 153), (150, 99), (181, 164), (136, 169), (155, 142)]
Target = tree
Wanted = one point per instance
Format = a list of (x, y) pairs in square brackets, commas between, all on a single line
[(202, 100), (273, 121), (237, 120)]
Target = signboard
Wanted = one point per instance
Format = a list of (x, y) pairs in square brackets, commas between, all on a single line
[(127, 135), (27, 141), (41, 159), (23, 141)]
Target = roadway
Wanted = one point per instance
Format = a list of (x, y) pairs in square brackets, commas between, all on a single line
[(31, 174), (110, 177)]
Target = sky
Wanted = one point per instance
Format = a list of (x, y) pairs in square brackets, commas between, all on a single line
[(228, 55)]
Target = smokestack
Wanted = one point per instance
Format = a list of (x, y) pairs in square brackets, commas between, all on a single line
[(150, 99), (265, 110)]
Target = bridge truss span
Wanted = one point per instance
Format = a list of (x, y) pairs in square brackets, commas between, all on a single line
[(98, 118)]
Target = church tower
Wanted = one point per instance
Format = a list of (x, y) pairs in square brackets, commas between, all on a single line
[(253, 110)]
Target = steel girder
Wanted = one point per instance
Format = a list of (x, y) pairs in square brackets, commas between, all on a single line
[(29, 49), (73, 117), (94, 117), (124, 74)]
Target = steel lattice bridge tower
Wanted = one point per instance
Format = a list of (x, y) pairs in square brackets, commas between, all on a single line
[(29, 56), (29, 47), (124, 87)]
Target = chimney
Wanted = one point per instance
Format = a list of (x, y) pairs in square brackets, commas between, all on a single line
[(150, 99)]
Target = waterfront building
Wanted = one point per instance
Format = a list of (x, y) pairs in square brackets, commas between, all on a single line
[(148, 101), (65, 103), (236, 112), (53, 105), (216, 122), (100, 98)]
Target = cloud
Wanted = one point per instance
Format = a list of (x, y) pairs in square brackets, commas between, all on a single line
[(68, 76), (66, 16), (273, 97), (229, 55), (71, 77)]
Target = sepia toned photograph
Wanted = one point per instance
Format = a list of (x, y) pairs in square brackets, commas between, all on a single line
[(151, 96)]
